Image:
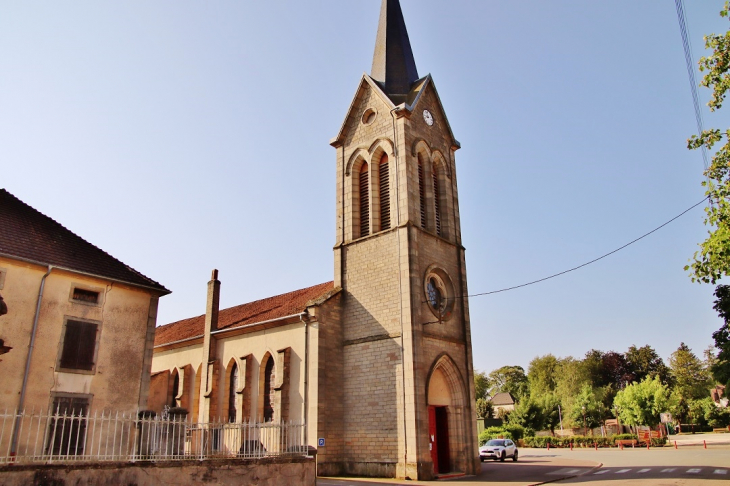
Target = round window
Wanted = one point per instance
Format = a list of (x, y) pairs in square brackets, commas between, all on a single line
[(369, 116), (439, 293)]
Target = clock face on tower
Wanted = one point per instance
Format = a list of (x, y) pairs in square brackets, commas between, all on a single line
[(428, 117)]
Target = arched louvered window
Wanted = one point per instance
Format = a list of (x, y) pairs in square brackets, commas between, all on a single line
[(364, 201), (421, 193), (269, 380), (437, 201), (232, 388), (384, 193)]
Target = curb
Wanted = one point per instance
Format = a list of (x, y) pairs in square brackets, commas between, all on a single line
[(599, 466)]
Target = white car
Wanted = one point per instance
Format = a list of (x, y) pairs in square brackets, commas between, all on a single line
[(499, 450)]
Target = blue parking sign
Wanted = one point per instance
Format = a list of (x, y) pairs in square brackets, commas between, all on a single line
[(320, 442)]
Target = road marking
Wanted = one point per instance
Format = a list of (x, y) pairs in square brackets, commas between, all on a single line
[(622, 471), (602, 471), (669, 469), (644, 470), (720, 471), (694, 471), (565, 471)]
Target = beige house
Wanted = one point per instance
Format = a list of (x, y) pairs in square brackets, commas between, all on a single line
[(377, 363), (502, 402), (79, 324)]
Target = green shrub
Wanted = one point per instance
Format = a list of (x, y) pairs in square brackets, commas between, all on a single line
[(623, 437), (516, 431), (580, 441), (660, 442), (494, 433)]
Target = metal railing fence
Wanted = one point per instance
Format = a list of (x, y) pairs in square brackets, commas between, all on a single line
[(48, 437)]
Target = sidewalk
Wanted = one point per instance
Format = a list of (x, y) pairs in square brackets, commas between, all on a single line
[(700, 439)]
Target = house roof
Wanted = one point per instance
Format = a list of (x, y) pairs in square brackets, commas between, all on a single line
[(268, 309), (27, 234), (503, 398)]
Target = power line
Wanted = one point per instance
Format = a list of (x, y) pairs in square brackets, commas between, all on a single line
[(679, 4), (594, 260)]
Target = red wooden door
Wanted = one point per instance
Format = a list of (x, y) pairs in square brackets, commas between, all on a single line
[(442, 439), (432, 444)]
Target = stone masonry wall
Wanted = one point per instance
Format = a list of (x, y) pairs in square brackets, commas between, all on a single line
[(283, 471), (373, 371), (372, 306)]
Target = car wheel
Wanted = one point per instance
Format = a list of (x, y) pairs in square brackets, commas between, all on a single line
[(502, 456), (481, 459), (514, 456)]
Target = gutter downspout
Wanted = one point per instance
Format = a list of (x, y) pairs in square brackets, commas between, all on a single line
[(21, 402)]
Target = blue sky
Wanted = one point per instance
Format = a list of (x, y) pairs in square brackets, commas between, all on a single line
[(185, 136)]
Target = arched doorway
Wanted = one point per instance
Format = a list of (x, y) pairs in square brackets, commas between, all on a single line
[(446, 417)]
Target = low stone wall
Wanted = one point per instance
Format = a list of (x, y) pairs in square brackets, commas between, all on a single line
[(279, 471)]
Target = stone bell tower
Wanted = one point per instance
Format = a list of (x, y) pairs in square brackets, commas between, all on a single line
[(408, 387)]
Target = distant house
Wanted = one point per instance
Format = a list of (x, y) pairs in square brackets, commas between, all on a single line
[(718, 396), (80, 324), (503, 401)]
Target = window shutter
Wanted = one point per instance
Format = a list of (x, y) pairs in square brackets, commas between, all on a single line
[(437, 202), (79, 345), (364, 201), (384, 194), (421, 194)]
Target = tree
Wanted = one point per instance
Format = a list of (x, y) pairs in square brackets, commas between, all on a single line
[(645, 361), (641, 403), (721, 367), (691, 378), (570, 379), (481, 384), (529, 414), (509, 379), (550, 404), (587, 409), (485, 409), (616, 370), (542, 375), (593, 366), (712, 261)]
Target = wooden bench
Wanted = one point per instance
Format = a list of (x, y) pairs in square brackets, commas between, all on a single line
[(627, 442), (722, 430)]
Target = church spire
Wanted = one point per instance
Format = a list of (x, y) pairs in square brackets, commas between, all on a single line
[(393, 64)]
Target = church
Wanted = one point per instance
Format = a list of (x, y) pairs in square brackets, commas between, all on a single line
[(378, 362)]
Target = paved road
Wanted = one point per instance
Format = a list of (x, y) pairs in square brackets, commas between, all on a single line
[(533, 467), (686, 466)]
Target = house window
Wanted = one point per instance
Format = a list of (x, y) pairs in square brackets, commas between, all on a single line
[(269, 391), (67, 427), (232, 389), (78, 349), (3, 272), (87, 296), (364, 201), (384, 193)]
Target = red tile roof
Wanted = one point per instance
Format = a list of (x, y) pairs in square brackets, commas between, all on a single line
[(30, 235), (262, 310)]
